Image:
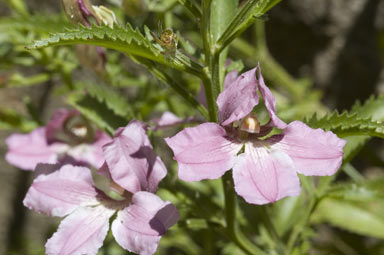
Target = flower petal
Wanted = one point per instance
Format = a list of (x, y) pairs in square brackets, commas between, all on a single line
[(91, 154), (314, 151), (138, 227), (238, 99), (269, 101), (56, 124), (132, 162), (263, 176), (167, 119), (82, 232), (27, 150), (60, 192), (203, 152), (230, 79)]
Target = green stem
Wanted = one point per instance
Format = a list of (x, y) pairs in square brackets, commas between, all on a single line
[(230, 216), (353, 173), (243, 19), (298, 229), (205, 29), (266, 218), (208, 88), (215, 70), (162, 76), (192, 7)]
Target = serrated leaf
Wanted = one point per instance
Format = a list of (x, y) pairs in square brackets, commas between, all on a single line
[(373, 107), (97, 112), (364, 219), (124, 39), (346, 124), (112, 99)]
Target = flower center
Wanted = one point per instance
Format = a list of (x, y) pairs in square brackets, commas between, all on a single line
[(247, 126), (78, 130), (250, 124)]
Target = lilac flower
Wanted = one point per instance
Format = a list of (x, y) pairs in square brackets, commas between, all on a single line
[(142, 217), (68, 137), (264, 169)]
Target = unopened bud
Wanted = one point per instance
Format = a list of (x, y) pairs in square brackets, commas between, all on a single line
[(80, 11)]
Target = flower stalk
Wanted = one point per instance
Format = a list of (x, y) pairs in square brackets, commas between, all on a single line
[(230, 217)]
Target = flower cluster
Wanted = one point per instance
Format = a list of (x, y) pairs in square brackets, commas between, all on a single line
[(69, 191), (265, 155)]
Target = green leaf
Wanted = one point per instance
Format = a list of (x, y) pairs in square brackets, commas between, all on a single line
[(364, 219), (38, 23), (192, 6), (179, 89), (373, 107), (222, 12), (124, 39), (346, 124), (251, 10), (369, 190), (10, 119), (96, 111), (112, 99), (18, 80)]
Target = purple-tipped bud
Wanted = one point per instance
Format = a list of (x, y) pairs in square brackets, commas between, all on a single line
[(80, 11)]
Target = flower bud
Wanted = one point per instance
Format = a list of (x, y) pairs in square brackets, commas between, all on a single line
[(79, 11)]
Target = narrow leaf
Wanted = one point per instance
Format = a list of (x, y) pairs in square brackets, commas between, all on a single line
[(363, 219)]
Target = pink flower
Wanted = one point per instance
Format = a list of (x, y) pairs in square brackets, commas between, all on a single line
[(264, 169), (68, 137), (142, 217)]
